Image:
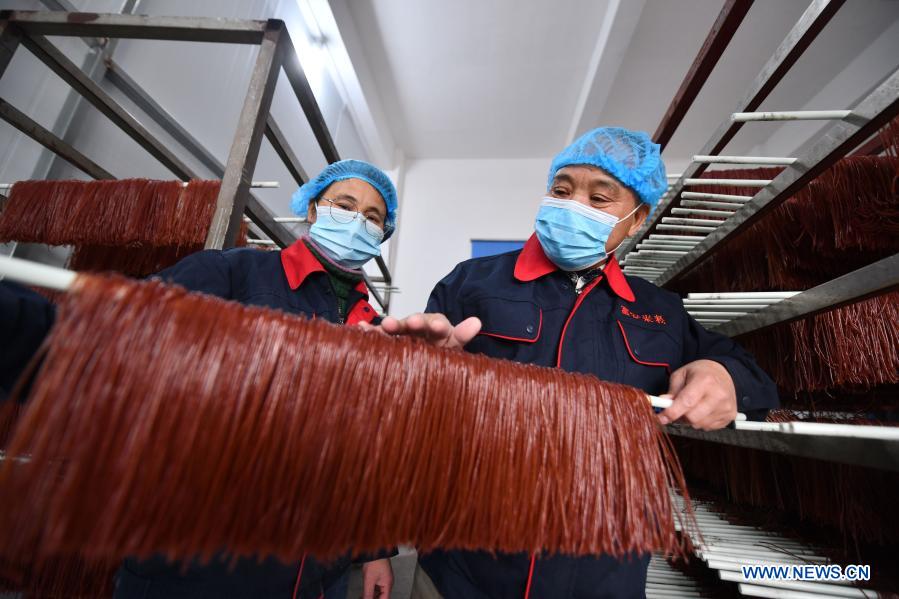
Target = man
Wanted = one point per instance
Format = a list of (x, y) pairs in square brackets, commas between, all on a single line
[(563, 301), (351, 206)]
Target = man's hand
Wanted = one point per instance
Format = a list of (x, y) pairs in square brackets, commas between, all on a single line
[(704, 396), (433, 328), (377, 575)]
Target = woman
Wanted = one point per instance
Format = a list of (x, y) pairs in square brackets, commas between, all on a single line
[(351, 206)]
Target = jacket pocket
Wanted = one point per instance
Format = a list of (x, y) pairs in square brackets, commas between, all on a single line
[(650, 355), (511, 320)]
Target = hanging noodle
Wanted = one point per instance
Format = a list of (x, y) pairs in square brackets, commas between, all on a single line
[(856, 503), (167, 422), (136, 261), (845, 219), (111, 213), (135, 227), (855, 346)]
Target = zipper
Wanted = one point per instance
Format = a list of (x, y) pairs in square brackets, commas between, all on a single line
[(577, 304)]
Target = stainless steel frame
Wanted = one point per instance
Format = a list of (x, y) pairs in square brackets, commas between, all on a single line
[(275, 52)]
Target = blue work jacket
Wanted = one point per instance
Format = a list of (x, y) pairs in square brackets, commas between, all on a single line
[(619, 328)]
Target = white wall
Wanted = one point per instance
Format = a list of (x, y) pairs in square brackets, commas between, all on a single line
[(444, 204)]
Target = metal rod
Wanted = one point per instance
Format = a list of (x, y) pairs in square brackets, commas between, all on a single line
[(719, 205), (856, 450), (689, 229), (662, 403), (729, 182), (743, 160), (695, 238), (794, 115), (741, 295), (27, 272), (186, 29), (282, 149), (46, 138), (258, 214), (261, 184), (654, 252), (66, 6), (727, 302), (691, 308), (648, 262), (696, 222), (717, 40), (654, 260), (666, 244), (234, 192), (663, 246), (803, 33), (875, 278), (699, 211), (638, 257), (9, 43), (300, 85), (93, 93), (727, 197), (875, 110)]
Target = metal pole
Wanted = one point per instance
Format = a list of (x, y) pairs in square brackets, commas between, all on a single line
[(871, 113), (255, 210), (282, 149), (791, 115), (732, 14), (241, 163), (26, 125), (9, 43), (807, 28), (773, 160), (300, 85), (94, 94), (855, 286), (185, 29)]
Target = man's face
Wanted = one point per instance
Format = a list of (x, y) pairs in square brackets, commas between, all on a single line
[(595, 188)]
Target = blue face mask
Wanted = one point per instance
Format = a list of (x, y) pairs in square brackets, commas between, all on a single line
[(346, 243), (573, 235)]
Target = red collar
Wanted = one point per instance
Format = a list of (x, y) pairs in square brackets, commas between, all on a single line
[(299, 262), (532, 264)]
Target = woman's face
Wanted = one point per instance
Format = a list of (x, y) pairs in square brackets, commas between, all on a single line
[(355, 195)]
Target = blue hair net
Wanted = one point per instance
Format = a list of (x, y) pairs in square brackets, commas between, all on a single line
[(629, 156), (348, 169)]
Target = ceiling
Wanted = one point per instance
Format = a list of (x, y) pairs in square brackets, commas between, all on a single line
[(478, 79), (511, 79)]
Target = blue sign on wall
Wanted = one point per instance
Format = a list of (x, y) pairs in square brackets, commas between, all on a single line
[(492, 247)]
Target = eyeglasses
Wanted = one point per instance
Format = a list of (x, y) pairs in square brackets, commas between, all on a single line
[(346, 212)]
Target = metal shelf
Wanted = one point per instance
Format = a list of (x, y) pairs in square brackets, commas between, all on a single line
[(874, 111), (882, 454), (807, 28), (276, 52), (867, 281)]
